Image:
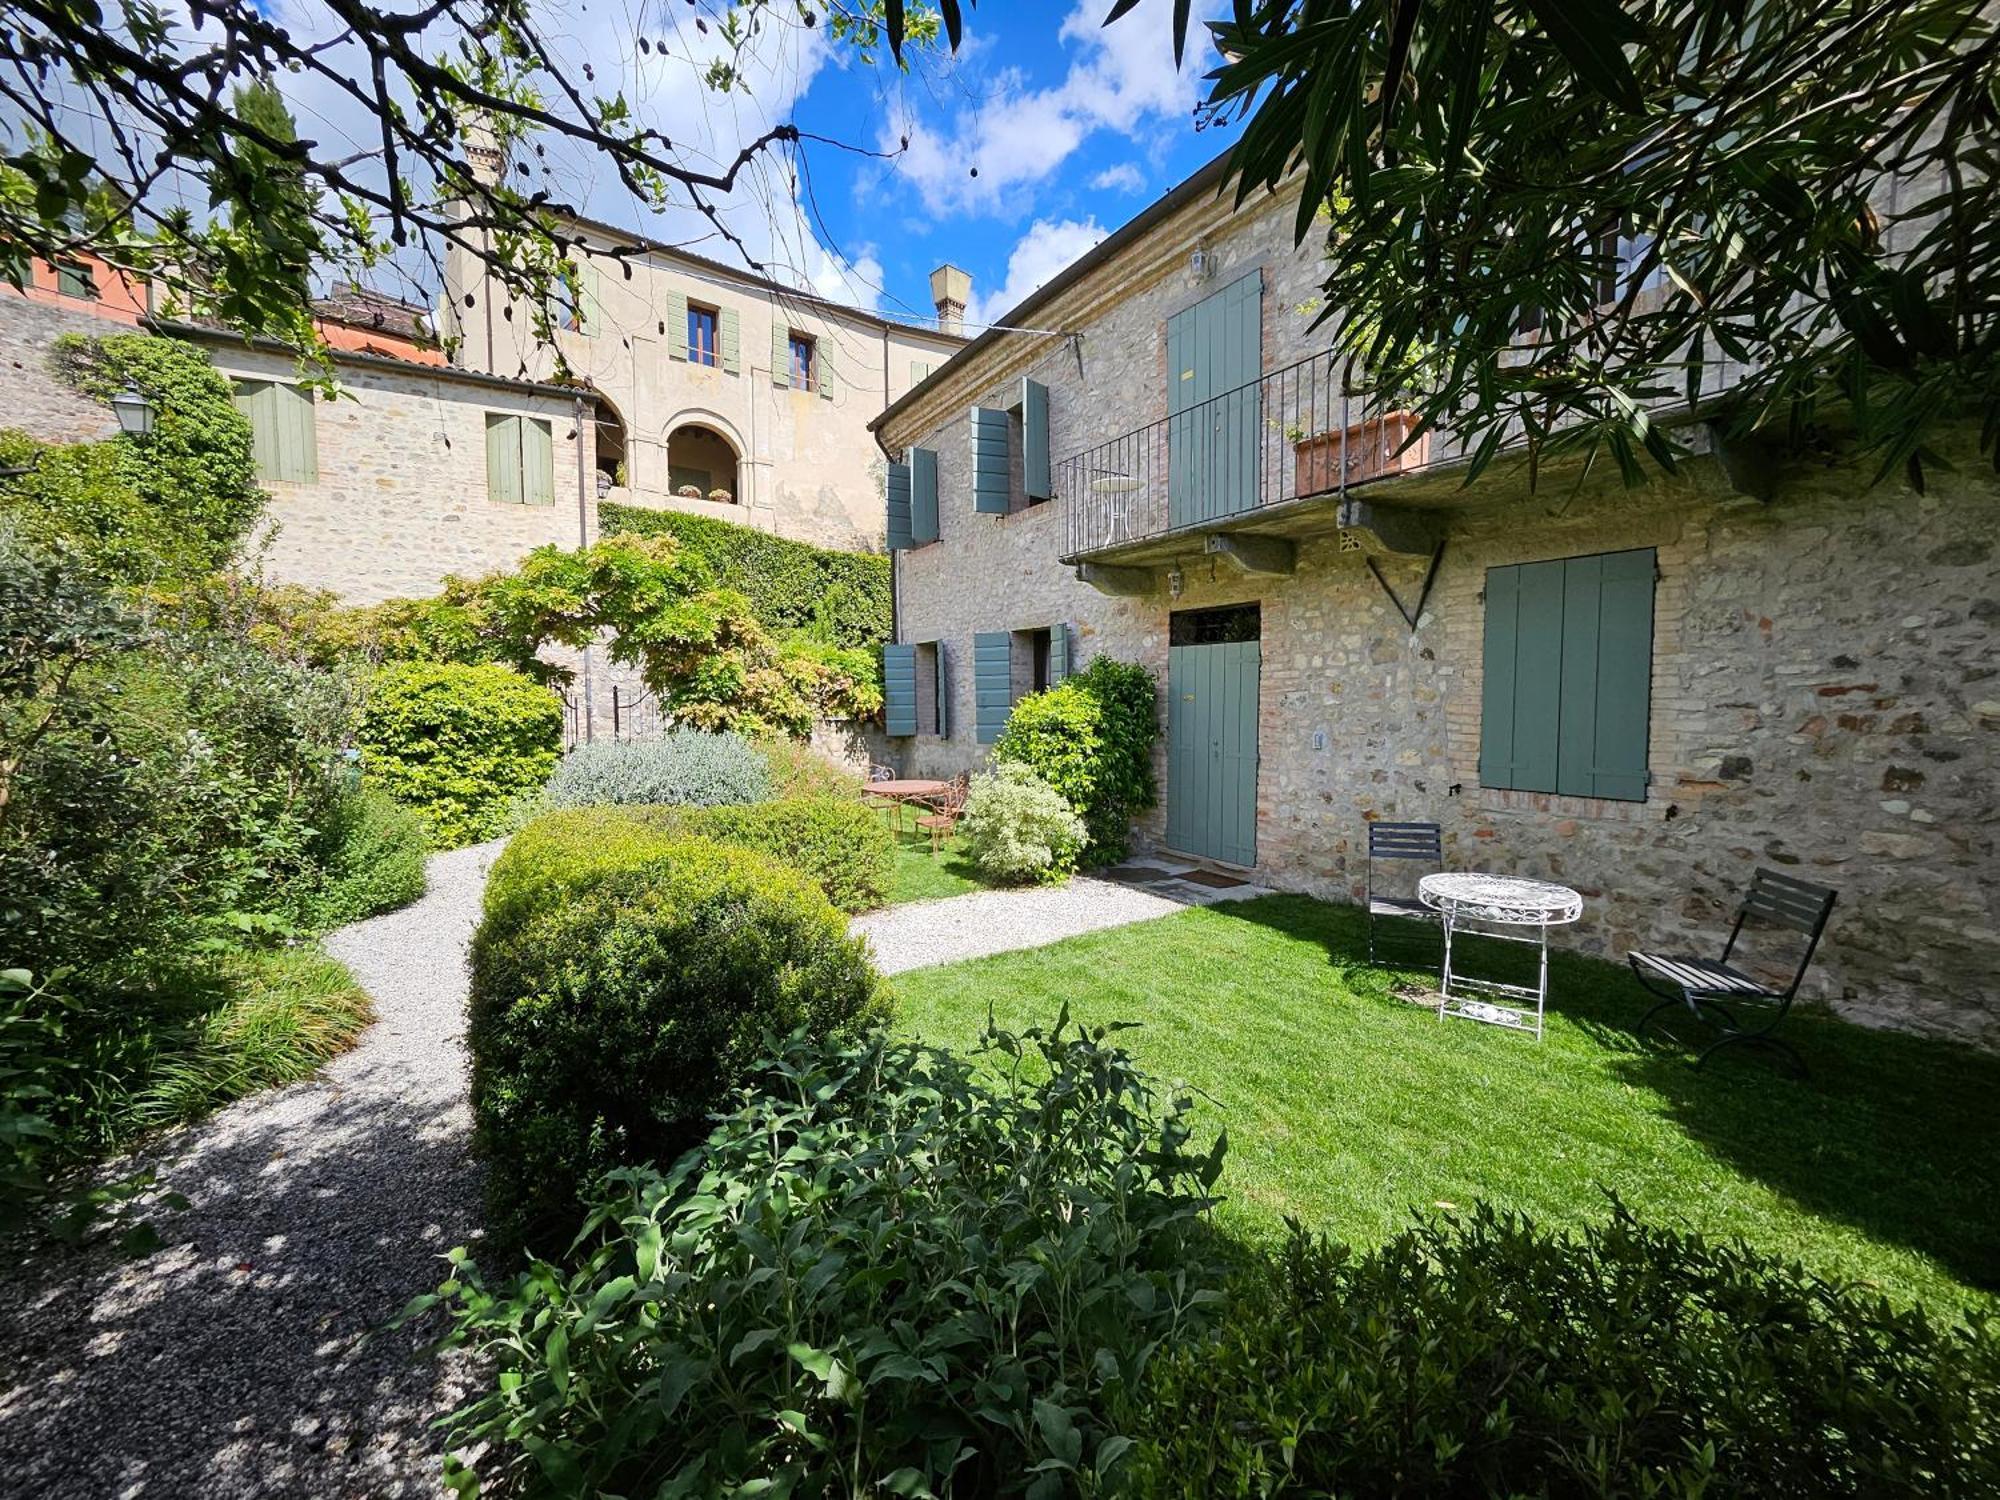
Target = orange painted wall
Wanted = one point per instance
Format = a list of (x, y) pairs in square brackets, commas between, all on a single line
[(120, 298)]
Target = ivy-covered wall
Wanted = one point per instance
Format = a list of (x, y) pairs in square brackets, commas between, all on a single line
[(790, 584)]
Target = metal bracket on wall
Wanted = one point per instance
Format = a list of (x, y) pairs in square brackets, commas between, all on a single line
[(1411, 616)]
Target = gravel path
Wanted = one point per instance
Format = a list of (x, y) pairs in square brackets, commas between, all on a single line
[(232, 1363), (972, 926)]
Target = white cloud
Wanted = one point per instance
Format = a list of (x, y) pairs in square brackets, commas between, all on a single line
[(1121, 77), (1125, 177), (1047, 247)]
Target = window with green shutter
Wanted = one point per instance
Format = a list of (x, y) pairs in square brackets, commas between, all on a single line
[(992, 486), (1037, 479), (520, 460), (992, 683), (677, 325), (284, 436), (899, 690), (73, 279), (732, 338), (1568, 668), (923, 496), (896, 489)]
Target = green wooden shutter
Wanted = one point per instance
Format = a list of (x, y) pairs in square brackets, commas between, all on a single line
[(943, 692), (538, 462), (729, 332), (990, 485), (920, 371), (296, 438), (503, 458), (1522, 667), (677, 325), (823, 371), (1607, 669), (1058, 653), (923, 496), (781, 354), (253, 399), (1036, 480), (992, 684), (590, 300), (899, 689), (896, 488)]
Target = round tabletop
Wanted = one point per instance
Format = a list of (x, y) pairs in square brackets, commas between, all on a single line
[(904, 788), (1512, 899)]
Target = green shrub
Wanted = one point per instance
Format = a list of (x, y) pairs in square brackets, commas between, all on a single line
[(790, 585), (1482, 1355), (162, 508), (798, 770), (458, 743), (682, 766), (888, 1271), (1019, 828), (371, 861), (843, 847), (613, 1009), (1091, 738)]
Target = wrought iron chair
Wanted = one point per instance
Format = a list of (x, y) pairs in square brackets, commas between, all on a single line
[(946, 809), (1708, 987), (1422, 841)]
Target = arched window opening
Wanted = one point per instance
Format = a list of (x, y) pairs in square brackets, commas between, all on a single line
[(701, 464)]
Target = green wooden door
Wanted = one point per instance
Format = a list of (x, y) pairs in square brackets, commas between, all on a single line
[(1215, 353), (1212, 750)]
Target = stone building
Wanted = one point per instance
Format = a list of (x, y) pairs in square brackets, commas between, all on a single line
[(720, 392), (1645, 694)]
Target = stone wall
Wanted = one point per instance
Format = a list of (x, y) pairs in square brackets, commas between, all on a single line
[(401, 499), (1825, 690), (33, 400)]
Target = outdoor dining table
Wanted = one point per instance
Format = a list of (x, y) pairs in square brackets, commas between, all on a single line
[(1500, 907), (903, 791)]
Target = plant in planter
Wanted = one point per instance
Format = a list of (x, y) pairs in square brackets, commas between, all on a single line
[(720, 495), (689, 492), (1365, 449)]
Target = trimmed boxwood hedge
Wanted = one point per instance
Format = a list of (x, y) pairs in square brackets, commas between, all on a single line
[(789, 584), (616, 1003), (844, 847)]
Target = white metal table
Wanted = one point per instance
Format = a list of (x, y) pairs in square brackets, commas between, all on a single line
[(1497, 906)]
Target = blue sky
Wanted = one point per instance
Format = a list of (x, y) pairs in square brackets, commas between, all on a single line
[(1073, 128)]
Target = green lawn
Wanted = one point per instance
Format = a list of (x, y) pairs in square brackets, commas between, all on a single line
[(1348, 1106), (922, 876)]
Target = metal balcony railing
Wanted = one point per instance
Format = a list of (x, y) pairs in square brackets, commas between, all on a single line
[(1289, 435)]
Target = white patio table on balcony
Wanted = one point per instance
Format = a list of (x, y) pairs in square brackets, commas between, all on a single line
[(1499, 907)]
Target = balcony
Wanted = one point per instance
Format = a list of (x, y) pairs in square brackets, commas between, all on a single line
[(1277, 458)]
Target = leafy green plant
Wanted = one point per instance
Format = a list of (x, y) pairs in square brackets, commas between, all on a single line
[(682, 766), (1018, 828), (458, 743), (369, 859), (278, 1015), (790, 585), (615, 1003), (1478, 1354), (171, 505), (887, 1270), (842, 846), (798, 770), (1091, 738)]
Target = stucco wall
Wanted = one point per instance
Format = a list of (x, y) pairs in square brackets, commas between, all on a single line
[(809, 468), (1825, 679)]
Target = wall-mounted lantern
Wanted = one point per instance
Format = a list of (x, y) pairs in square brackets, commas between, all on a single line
[(135, 412)]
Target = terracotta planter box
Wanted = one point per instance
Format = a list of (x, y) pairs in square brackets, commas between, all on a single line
[(1371, 449)]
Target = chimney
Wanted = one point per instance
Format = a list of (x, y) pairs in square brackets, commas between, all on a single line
[(950, 289)]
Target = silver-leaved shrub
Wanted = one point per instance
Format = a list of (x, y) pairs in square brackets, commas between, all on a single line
[(684, 767)]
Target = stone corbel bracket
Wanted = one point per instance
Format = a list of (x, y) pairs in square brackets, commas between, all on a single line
[(1121, 583), (1386, 528), (1256, 556)]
